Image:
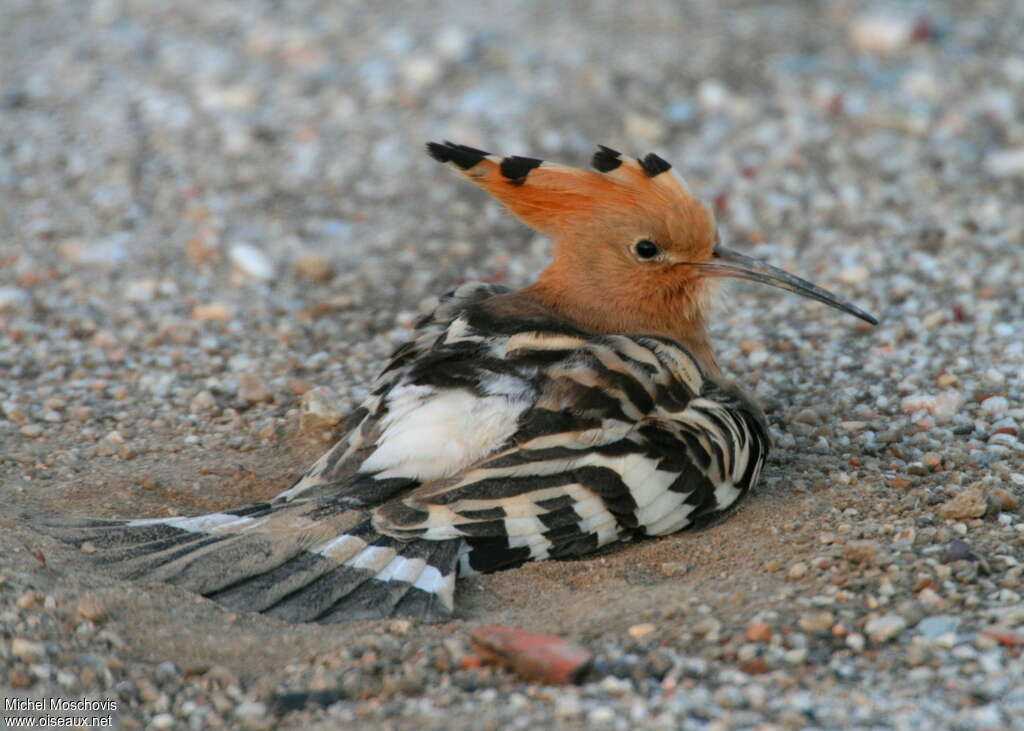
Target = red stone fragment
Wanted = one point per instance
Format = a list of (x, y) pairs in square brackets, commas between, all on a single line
[(759, 632), (534, 656), (757, 666), (1006, 637)]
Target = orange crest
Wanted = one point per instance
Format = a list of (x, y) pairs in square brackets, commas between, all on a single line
[(625, 197)]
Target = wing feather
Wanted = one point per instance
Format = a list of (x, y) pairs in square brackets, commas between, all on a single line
[(597, 459)]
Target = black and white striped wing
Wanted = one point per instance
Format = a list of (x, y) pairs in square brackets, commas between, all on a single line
[(487, 443), (335, 473), (626, 438)]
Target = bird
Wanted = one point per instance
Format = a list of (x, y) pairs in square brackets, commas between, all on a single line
[(584, 410)]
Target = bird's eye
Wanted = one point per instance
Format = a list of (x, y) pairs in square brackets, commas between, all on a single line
[(646, 249)]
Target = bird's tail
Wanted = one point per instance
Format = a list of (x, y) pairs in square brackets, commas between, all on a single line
[(302, 561)]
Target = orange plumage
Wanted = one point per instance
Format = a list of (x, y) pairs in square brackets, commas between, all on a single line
[(596, 279)]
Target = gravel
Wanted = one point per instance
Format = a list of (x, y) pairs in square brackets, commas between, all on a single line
[(216, 220)]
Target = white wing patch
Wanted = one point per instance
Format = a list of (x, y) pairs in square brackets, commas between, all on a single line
[(212, 523), (430, 434)]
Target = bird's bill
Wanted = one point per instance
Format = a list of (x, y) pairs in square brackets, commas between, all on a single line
[(727, 263)]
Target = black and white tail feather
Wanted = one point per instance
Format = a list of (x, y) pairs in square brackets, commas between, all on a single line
[(490, 439)]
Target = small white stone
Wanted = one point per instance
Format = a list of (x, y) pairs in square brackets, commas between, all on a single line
[(162, 721), (947, 405), (884, 628), (252, 262), (27, 650), (250, 711), (994, 377), (881, 32), (796, 656), (12, 298), (601, 715), (1005, 440), (995, 405), (853, 275), (421, 71), (1005, 163), (647, 129), (567, 706), (452, 43), (141, 290), (712, 95)]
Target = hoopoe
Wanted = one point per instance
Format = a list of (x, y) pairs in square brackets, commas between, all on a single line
[(584, 410)]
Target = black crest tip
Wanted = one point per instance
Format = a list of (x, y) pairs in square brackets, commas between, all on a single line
[(654, 165), (462, 155), (516, 168), (606, 159)]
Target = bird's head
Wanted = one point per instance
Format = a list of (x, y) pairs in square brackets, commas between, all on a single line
[(634, 250)]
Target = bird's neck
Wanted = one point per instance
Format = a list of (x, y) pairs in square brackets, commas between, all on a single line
[(598, 311)]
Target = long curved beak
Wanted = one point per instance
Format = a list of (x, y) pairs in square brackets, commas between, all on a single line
[(727, 263)]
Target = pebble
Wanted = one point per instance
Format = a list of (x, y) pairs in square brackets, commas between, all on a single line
[(212, 312), (90, 607), (27, 650), (995, 405), (969, 503), (881, 33), (853, 275), (252, 261), (321, 409), (861, 552), (646, 129), (797, 571), (943, 406), (29, 599), (535, 656), (600, 716), (932, 628), (958, 551), (884, 628), (807, 416), (1005, 163), (638, 631), (314, 267), (12, 298), (161, 722), (819, 622), (141, 290), (759, 632), (166, 672), (202, 402), (1002, 500), (252, 388), (251, 713)]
